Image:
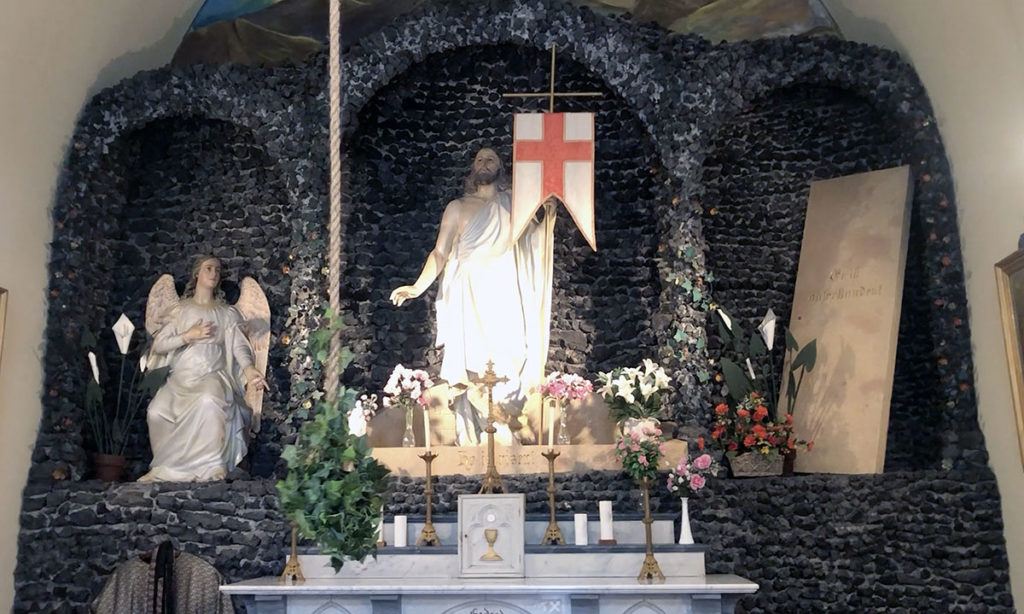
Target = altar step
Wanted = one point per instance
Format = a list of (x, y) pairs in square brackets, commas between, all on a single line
[(541, 561)]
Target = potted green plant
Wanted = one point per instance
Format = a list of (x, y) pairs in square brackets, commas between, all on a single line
[(333, 490), (111, 422)]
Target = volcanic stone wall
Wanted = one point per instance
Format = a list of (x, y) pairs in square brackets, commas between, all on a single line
[(705, 153)]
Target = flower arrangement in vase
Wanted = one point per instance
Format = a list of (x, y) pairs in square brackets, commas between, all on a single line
[(746, 429), (640, 450), (406, 389), (561, 388), (689, 477), (634, 393)]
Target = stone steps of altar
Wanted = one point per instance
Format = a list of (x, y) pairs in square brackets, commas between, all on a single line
[(561, 561)]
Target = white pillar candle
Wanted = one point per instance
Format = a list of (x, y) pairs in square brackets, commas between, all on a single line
[(580, 525), (380, 529), (401, 531), (605, 514), (426, 428)]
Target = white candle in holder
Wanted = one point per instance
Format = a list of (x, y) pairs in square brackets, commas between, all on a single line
[(605, 514), (401, 531), (426, 428), (551, 429), (580, 524), (380, 529)]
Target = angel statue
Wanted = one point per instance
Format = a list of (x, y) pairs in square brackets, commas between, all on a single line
[(200, 420)]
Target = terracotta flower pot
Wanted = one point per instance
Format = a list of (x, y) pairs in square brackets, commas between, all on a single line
[(109, 467)]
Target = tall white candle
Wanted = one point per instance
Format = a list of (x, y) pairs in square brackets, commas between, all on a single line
[(605, 513), (580, 524), (426, 428), (401, 531), (380, 529)]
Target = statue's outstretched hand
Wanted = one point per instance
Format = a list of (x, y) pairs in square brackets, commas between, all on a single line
[(403, 293)]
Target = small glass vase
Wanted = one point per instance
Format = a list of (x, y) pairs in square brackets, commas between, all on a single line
[(563, 430), (685, 536), (409, 438)]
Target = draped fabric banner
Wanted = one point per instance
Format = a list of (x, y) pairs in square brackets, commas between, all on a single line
[(553, 155)]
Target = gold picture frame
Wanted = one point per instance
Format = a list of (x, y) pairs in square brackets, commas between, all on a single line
[(1010, 287), (3, 318)]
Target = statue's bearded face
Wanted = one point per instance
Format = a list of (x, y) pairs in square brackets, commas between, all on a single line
[(486, 168)]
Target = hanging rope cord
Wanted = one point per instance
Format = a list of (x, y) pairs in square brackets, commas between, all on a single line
[(331, 372)]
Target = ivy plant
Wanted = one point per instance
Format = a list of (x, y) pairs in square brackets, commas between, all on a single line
[(333, 488)]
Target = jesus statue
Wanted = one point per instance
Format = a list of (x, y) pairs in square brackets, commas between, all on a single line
[(494, 301)]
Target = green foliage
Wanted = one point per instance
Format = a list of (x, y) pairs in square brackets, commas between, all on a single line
[(333, 488)]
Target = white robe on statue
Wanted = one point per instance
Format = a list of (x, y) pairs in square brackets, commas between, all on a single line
[(494, 303), (198, 420)]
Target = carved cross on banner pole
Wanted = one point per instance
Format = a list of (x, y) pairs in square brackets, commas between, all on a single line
[(553, 156)]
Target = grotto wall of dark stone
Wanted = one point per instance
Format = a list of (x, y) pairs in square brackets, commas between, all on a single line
[(705, 154)]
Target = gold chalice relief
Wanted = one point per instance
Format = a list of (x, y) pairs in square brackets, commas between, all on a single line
[(491, 535)]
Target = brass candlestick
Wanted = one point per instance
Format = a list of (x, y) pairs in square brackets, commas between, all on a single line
[(292, 569), (428, 536), (492, 479), (650, 571), (553, 535)]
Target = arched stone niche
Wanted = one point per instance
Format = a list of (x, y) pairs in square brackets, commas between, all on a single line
[(691, 100)]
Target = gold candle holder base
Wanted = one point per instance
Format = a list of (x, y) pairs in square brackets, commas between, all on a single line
[(553, 536), (650, 571), (292, 569), (428, 536)]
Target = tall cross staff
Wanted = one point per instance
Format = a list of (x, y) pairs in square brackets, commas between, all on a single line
[(551, 94)]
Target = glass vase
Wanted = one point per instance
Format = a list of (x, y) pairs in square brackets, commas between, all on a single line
[(563, 430), (409, 438)]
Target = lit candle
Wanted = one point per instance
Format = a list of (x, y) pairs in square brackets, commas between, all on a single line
[(580, 524), (605, 514), (426, 428), (401, 531)]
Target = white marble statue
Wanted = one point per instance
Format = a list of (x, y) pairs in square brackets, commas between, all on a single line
[(494, 301), (199, 421)]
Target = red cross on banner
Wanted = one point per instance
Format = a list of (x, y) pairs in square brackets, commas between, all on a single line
[(553, 155)]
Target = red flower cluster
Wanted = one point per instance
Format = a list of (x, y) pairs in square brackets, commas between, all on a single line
[(747, 427)]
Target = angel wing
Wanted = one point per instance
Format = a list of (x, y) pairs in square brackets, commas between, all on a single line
[(253, 305), (162, 298)]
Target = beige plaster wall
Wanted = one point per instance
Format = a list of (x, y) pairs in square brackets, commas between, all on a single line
[(968, 55), (54, 55)]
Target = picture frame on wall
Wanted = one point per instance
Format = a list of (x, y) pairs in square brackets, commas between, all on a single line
[(1010, 287), (3, 318)]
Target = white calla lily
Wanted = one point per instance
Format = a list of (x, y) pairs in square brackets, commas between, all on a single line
[(123, 330), (143, 363), (95, 367), (725, 319), (750, 370), (767, 329)]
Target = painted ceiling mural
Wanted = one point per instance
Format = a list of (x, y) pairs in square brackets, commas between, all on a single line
[(270, 32)]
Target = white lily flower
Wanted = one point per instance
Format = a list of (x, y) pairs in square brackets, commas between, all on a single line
[(647, 388), (726, 319), (649, 366), (95, 367), (661, 379), (357, 421), (750, 370), (767, 329), (607, 390), (123, 330), (625, 386)]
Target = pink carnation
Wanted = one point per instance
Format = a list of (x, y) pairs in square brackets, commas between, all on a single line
[(702, 462), (696, 482), (642, 459)]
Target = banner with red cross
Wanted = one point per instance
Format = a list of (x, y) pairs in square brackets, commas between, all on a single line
[(553, 155)]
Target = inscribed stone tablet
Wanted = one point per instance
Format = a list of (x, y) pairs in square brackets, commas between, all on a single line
[(848, 292)]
